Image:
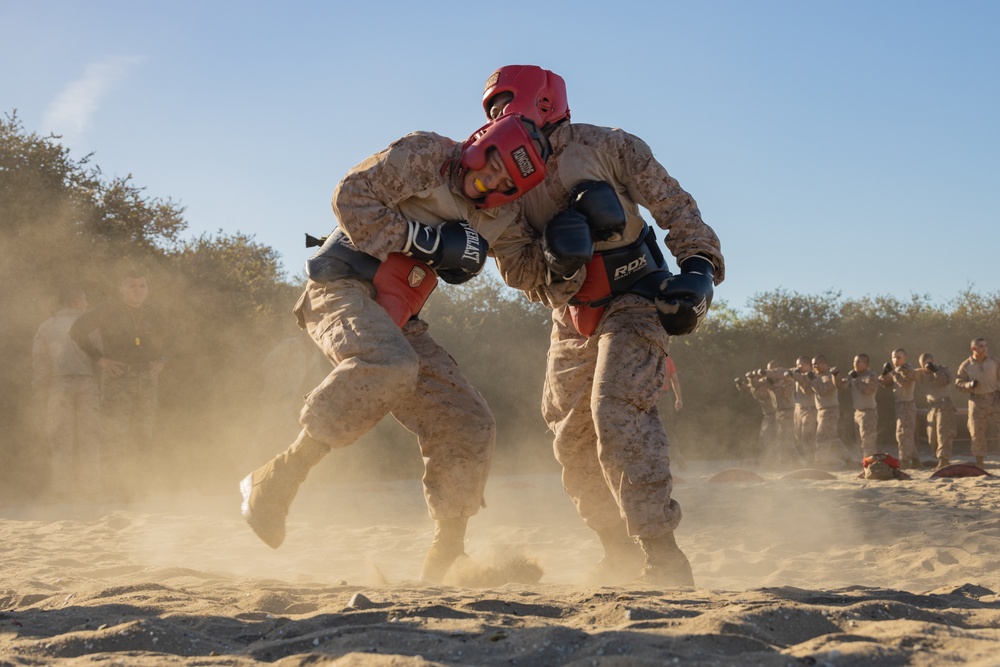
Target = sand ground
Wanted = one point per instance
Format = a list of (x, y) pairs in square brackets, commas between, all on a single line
[(788, 571)]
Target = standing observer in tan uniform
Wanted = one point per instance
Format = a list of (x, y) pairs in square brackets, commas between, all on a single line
[(588, 254), (863, 384), (782, 389), (425, 207), (942, 423), (901, 378), (756, 387), (830, 449), (805, 408), (64, 374), (979, 377)]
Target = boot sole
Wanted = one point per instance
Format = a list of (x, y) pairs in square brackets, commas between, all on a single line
[(246, 490)]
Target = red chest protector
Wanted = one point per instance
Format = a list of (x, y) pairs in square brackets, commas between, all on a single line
[(638, 268)]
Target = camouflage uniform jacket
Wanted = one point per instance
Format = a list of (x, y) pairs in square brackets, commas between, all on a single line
[(863, 389), (54, 354), (782, 390), (589, 153), (986, 372), (759, 390), (824, 387), (936, 385), (803, 391), (415, 179), (903, 380)]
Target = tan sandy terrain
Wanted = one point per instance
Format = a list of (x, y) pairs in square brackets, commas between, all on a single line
[(789, 572)]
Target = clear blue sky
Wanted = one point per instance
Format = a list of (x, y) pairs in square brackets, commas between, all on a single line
[(832, 145)]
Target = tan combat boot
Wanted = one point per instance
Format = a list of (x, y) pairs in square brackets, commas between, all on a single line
[(942, 462), (269, 490), (623, 557), (666, 564), (981, 461), (448, 544)]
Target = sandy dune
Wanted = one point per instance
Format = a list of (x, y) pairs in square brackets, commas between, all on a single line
[(789, 572)]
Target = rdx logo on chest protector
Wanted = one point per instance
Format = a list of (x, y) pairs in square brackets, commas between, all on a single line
[(630, 268)]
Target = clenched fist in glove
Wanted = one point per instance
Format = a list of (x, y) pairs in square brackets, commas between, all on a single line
[(455, 250), (684, 299), (598, 202), (566, 243)]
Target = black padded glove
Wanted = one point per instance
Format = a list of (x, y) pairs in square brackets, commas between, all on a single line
[(684, 299)]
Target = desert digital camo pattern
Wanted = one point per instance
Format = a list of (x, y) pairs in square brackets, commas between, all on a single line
[(906, 430), (380, 369), (903, 381), (72, 426), (984, 398), (600, 400), (414, 179), (590, 153), (863, 390), (942, 419), (830, 449)]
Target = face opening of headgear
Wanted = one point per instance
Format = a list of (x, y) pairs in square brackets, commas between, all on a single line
[(536, 93), (522, 148)]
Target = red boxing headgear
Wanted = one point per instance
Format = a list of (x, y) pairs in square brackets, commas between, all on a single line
[(538, 93), (514, 137)]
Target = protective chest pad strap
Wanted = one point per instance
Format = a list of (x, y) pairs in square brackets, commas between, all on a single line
[(629, 265), (338, 258)]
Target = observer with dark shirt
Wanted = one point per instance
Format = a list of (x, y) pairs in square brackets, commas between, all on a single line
[(128, 342), (133, 337)]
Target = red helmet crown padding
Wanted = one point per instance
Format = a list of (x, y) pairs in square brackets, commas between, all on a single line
[(538, 93), (513, 137)]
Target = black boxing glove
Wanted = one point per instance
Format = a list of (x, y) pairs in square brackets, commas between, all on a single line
[(834, 371), (683, 300), (598, 202), (566, 243), (450, 245), (930, 367), (853, 374), (811, 375), (455, 276), (973, 384), (887, 368)]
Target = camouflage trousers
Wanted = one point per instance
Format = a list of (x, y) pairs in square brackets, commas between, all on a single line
[(830, 449), (600, 400), (805, 429), (906, 430), (73, 431), (784, 436), (984, 412), (766, 435), (866, 423), (942, 427), (128, 405), (379, 369)]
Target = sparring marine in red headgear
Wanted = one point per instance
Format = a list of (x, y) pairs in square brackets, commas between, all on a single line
[(538, 93), (521, 146)]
